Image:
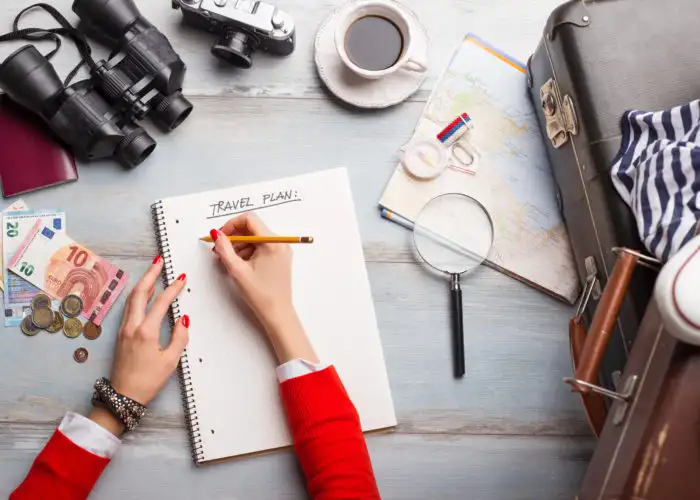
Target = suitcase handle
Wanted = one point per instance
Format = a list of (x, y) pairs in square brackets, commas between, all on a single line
[(604, 320), (593, 403), (589, 357)]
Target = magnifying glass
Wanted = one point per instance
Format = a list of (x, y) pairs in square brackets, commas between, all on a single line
[(454, 234)]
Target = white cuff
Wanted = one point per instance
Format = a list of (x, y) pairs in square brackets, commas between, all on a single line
[(89, 435), (296, 368)]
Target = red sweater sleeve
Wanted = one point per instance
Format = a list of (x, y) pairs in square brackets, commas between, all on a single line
[(62, 471), (328, 437)]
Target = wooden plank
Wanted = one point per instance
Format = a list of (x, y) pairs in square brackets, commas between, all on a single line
[(407, 467), (229, 142), (514, 365), (507, 24)]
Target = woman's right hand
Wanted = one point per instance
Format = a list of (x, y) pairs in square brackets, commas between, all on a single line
[(263, 274)]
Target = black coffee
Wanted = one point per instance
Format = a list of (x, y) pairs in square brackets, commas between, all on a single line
[(374, 43)]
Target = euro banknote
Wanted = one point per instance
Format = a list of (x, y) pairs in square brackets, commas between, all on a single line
[(14, 207), (16, 227), (52, 261)]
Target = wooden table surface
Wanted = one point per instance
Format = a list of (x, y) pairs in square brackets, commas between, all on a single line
[(509, 430)]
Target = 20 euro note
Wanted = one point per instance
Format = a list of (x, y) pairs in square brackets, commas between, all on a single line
[(14, 207), (16, 226), (60, 267)]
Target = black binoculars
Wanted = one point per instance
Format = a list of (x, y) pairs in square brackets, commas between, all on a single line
[(96, 117)]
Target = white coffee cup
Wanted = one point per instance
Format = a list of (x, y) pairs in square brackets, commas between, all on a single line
[(408, 61)]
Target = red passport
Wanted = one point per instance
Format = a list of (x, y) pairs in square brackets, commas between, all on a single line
[(30, 157)]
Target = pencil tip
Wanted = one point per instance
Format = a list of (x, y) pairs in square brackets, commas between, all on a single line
[(307, 239)]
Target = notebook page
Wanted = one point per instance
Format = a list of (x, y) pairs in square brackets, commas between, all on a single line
[(232, 368)]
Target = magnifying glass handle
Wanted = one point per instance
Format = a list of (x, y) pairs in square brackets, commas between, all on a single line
[(457, 327)]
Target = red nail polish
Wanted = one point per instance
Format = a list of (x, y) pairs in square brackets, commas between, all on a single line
[(214, 234), (186, 321), (157, 259), (182, 277)]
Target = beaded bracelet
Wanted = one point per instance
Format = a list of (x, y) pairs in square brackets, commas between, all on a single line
[(128, 411)]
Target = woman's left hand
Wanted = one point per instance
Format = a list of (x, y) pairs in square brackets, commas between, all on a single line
[(141, 366)]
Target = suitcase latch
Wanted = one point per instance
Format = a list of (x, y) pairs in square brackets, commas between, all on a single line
[(559, 114)]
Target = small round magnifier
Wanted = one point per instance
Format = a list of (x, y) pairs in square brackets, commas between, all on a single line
[(454, 234)]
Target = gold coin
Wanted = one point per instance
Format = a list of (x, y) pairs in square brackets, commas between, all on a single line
[(72, 328), (72, 306), (28, 328), (57, 323), (41, 301), (80, 355), (91, 331), (42, 317)]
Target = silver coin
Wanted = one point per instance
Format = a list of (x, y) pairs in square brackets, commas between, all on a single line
[(72, 306), (28, 328), (41, 300), (42, 317)]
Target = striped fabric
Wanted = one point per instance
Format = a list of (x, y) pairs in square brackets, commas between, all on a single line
[(657, 173)]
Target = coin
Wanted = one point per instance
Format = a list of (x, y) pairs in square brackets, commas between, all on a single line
[(42, 317), (91, 331), (41, 301), (28, 328), (80, 355), (72, 328), (72, 306), (57, 323)]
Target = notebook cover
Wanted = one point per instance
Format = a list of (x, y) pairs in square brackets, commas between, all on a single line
[(31, 157)]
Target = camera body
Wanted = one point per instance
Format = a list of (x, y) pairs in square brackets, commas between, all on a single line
[(243, 26)]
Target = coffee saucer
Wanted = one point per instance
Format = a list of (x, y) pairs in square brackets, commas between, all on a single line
[(352, 88)]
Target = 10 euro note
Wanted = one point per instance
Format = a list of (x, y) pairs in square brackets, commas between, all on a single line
[(16, 226), (59, 266)]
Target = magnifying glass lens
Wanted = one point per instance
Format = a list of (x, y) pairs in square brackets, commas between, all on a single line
[(453, 233)]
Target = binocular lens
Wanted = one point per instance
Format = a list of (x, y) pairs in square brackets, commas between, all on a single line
[(169, 112), (30, 79), (136, 146), (113, 16)]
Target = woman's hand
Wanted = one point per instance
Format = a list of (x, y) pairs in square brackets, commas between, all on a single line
[(141, 366), (263, 274)]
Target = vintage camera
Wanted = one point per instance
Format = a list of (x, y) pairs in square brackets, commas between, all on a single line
[(78, 114), (243, 26), (145, 75)]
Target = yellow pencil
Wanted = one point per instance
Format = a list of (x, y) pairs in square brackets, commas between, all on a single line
[(264, 239)]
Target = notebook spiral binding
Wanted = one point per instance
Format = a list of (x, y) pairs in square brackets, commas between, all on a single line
[(188, 401)]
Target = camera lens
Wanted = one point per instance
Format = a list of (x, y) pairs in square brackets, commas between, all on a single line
[(236, 47), (30, 79), (169, 112), (136, 146)]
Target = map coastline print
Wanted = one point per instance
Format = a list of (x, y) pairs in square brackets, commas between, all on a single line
[(513, 180)]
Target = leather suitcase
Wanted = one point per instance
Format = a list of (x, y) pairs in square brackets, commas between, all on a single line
[(596, 60), (649, 447)]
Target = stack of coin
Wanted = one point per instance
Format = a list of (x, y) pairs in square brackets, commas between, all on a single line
[(43, 317)]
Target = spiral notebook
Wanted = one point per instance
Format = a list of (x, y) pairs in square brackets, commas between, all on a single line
[(230, 390)]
